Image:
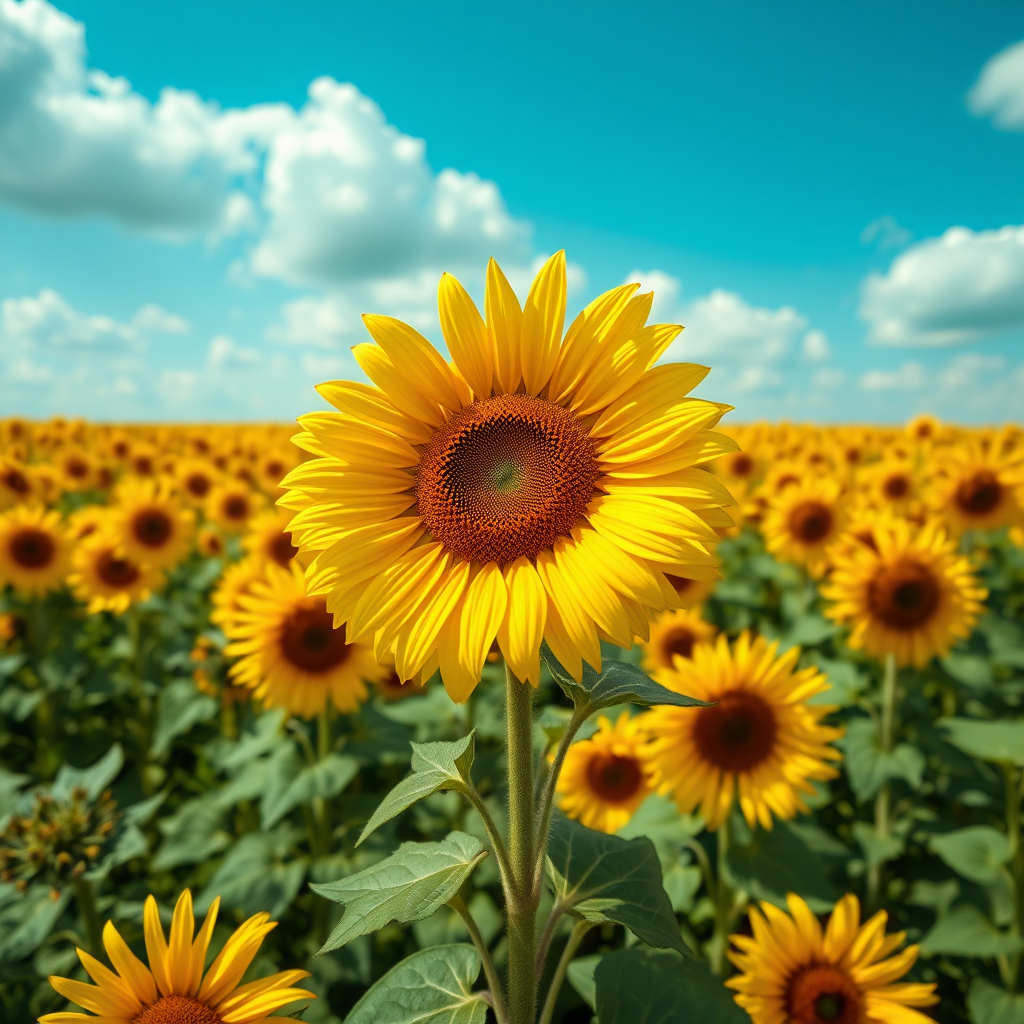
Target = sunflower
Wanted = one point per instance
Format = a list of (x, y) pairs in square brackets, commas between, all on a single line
[(34, 549), (151, 521), (893, 484), (268, 537), (911, 596), (690, 593), (106, 578), (761, 741), (604, 779), (793, 973), (290, 652), (88, 519), (195, 478), (174, 989), (209, 542), (144, 460), (976, 488), (390, 688), (231, 505), (540, 488), (674, 635), (16, 483), (924, 428), (783, 474), (78, 470), (236, 581), (803, 520)]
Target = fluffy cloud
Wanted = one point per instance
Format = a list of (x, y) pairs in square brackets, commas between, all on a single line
[(815, 347), (226, 353), (959, 288), (155, 320), (47, 321), (909, 377), (999, 90), (885, 233)]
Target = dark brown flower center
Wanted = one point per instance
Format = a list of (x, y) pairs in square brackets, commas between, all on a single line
[(116, 572), (896, 486), (785, 480), (77, 469), (737, 733), (392, 688), (614, 778), (980, 494), (121, 449), (32, 548), (177, 1010), (197, 484), (281, 549), (15, 480), (810, 522), (152, 527), (506, 477), (904, 595), (274, 469), (680, 584), (143, 465), (310, 641), (679, 640), (742, 465), (867, 538), (823, 995), (235, 507)]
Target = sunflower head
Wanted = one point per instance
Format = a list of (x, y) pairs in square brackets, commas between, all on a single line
[(675, 634), (106, 577), (17, 485), (760, 742), (231, 505), (195, 478), (803, 521), (268, 537), (78, 469), (791, 970), (978, 487), (151, 522), (34, 549)]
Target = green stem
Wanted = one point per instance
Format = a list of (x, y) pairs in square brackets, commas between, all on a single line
[(320, 826), (85, 895), (724, 900), (886, 738), (521, 897), (493, 981), (1011, 783), (571, 945)]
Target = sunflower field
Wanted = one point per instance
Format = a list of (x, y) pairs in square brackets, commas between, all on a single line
[(522, 687)]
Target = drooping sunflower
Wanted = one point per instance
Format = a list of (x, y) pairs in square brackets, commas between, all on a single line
[(803, 520), (538, 488), (34, 549), (174, 988), (105, 577), (760, 743), (151, 522), (912, 595), (674, 635), (977, 488), (268, 537), (605, 778), (231, 505), (791, 972), (290, 652)]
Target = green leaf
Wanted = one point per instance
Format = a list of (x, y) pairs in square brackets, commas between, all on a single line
[(93, 779), (131, 843), (377, 738), (435, 766), (772, 863), (969, 669), (18, 703), (1001, 741), (191, 835), (260, 872), (619, 683), (581, 977), (877, 849), (408, 886), (966, 931), (810, 630), (434, 986), (179, 707), (976, 853), (27, 921), (869, 768), (291, 782), (845, 682), (607, 878), (988, 1004), (646, 986)]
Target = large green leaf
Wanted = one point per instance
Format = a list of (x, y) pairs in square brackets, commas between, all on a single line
[(93, 779), (27, 920), (408, 886), (618, 683), (193, 834), (581, 976), (990, 741), (646, 986), (607, 878), (435, 766), (434, 986), (966, 931), (179, 707), (877, 849), (976, 853), (291, 781), (869, 767), (988, 1004)]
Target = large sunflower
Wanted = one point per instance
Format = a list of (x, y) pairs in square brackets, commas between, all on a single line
[(106, 578), (538, 488), (34, 549), (674, 635), (604, 779), (151, 522), (976, 487), (174, 988), (803, 520), (793, 973), (290, 652), (761, 741), (911, 595)]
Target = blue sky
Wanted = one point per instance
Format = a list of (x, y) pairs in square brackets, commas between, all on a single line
[(198, 199)]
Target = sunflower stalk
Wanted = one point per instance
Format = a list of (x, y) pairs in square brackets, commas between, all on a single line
[(724, 897), (1012, 783), (886, 739), (85, 896)]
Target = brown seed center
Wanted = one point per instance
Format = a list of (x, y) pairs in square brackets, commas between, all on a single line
[(32, 548), (116, 572), (737, 733), (177, 1010), (152, 527), (197, 484), (236, 507), (309, 640), (896, 486), (980, 494), (904, 595), (614, 778), (15, 480), (679, 641), (742, 465), (811, 522), (282, 550), (823, 995)]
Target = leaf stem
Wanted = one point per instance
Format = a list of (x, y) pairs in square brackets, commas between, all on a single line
[(546, 936), (458, 904), (472, 794), (572, 944)]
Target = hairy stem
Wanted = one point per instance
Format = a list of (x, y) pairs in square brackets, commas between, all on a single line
[(886, 739), (493, 981), (571, 945)]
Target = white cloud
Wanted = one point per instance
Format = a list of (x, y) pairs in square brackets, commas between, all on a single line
[(226, 353), (666, 290), (999, 90), (158, 321), (23, 371), (179, 387), (886, 233), (909, 377), (828, 377), (944, 291), (966, 371), (46, 321), (816, 347)]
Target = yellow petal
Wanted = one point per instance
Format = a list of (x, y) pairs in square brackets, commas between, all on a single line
[(543, 318), (201, 945), (578, 625), (368, 404), (504, 326), (179, 951), (395, 383), (522, 630), (417, 643), (482, 614), (89, 997), (233, 960), (116, 989), (465, 334), (457, 679), (128, 965), (156, 946)]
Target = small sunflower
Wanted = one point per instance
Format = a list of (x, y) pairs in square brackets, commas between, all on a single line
[(674, 635), (234, 582), (289, 651), (604, 779), (196, 478), (924, 429), (151, 522), (209, 542), (78, 469), (105, 577), (17, 486), (893, 484), (912, 595), (791, 972), (976, 487), (34, 549), (231, 505), (269, 539), (761, 741), (803, 520), (691, 593), (173, 988)]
